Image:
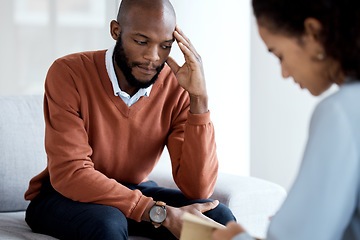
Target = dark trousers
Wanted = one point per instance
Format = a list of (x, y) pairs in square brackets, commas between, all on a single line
[(55, 215)]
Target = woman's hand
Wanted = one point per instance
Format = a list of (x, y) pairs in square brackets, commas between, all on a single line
[(232, 229)]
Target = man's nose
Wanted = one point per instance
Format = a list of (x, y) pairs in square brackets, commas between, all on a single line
[(152, 54)]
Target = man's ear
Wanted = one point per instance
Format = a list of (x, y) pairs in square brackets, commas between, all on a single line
[(313, 28), (115, 29)]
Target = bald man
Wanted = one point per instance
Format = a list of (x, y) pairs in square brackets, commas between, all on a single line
[(108, 116)]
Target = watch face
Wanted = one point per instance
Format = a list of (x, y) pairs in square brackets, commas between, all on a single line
[(157, 214)]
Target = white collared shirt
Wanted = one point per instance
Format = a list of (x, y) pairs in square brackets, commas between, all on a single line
[(143, 92)]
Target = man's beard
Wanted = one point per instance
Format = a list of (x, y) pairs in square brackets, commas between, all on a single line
[(122, 61)]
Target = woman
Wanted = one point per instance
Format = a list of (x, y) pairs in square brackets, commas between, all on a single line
[(318, 44)]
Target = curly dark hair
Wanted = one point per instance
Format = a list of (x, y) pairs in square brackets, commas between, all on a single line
[(340, 20)]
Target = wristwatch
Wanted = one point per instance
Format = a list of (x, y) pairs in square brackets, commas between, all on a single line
[(157, 213)]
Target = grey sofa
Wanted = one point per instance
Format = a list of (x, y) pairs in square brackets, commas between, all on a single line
[(22, 156)]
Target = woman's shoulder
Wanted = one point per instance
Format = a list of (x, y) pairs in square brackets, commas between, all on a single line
[(346, 99), (340, 110)]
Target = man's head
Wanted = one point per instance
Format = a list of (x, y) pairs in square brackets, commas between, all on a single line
[(144, 36)]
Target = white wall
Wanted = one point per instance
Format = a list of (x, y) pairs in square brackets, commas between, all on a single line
[(220, 32), (36, 32)]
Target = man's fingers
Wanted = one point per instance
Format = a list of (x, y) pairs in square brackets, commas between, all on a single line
[(189, 56), (172, 64), (180, 37), (177, 29), (204, 207)]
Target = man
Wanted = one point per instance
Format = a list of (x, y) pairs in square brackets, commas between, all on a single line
[(108, 116)]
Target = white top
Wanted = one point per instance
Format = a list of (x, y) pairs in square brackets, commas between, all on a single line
[(324, 201), (143, 92)]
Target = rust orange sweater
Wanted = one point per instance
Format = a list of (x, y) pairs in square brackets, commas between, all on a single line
[(94, 141)]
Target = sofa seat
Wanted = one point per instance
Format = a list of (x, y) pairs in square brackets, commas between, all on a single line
[(22, 156), (13, 227)]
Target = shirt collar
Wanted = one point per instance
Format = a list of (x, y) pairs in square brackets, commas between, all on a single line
[(112, 75)]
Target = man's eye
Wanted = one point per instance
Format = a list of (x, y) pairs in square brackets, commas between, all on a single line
[(166, 46), (140, 42)]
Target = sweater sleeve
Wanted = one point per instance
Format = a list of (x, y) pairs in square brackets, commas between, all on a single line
[(192, 149), (323, 199), (70, 166)]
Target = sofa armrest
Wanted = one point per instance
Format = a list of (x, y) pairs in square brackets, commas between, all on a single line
[(252, 200)]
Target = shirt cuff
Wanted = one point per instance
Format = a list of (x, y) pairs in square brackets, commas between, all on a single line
[(242, 236), (140, 208)]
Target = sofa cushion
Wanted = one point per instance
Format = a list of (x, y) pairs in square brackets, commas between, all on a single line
[(13, 227), (22, 153)]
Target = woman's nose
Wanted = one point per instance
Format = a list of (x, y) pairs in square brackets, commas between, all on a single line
[(284, 72)]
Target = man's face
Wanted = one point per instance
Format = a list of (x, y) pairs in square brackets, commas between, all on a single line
[(126, 67), (143, 46)]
